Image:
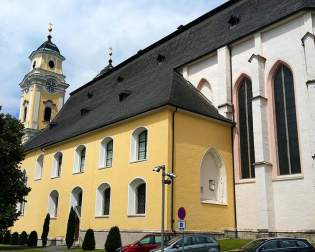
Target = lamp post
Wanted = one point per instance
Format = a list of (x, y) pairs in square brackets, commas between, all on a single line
[(167, 179)]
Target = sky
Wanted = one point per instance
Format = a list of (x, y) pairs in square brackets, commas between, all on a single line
[(83, 30)]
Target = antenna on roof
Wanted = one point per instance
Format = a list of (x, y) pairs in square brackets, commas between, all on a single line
[(50, 28)]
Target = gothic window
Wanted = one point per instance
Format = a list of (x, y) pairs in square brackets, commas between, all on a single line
[(247, 151), (57, 165), (205, 88), (48, 111), (212, 179), (286, 124), (106, 153), (79, 164), (53, 204), (137, 197), (39, 167), (139, 143), (103, 200)]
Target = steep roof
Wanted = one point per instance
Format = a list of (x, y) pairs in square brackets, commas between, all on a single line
[(147, 80)]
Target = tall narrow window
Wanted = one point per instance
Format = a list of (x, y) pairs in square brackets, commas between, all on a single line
[(141, 199), (245, 96), (106, 201), (79, 162), (142, 145), (47, 114), (286, 124), (25, 114), (109, 153), (39, 167), (82, 159), (57, 165), (103, 200), (53, 204)]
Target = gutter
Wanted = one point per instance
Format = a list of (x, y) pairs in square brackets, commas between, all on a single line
[(173, 162), (232, 141)]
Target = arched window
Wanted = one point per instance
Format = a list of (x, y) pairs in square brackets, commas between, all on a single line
[(286, 124), (57, 165), (103, 200), (21, 205), (53, 204), (245, 117), (205, 88), (137, 197), (139, 144), (39, 167), (106, 153), (79, 163), (48, 111), (76, 200), (213, 179)]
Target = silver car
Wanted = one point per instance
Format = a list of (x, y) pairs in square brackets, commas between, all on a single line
[(192, 243)]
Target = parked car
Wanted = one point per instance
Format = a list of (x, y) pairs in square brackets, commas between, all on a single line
[(147, 243), (192, 243), (277, 244)]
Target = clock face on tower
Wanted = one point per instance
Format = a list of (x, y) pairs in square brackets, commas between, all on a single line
[(50, 85)]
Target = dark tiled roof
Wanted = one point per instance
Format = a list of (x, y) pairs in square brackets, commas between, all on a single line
[(48, 46), (152, 84)]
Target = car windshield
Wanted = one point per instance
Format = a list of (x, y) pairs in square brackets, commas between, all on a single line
[(254, 244)]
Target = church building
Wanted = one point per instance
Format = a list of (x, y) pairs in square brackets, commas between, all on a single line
[(226, 102)]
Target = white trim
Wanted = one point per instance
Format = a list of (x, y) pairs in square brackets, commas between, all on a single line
[(98, 212), (55, 166), (103, 153), (39, 167), (132, 212), (77, 161), (134, 144), (52, 206)]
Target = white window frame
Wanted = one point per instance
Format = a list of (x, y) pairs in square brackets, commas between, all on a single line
[(53, 203), (39, 167), (100, 200), (134, 148), (77, 159), (103, 153), (56, 168), (132, 196)]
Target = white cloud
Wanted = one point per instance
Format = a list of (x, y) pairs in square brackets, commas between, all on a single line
[(83, 30)]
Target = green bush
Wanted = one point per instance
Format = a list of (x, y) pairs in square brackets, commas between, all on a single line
[(32, 239), (45, 230), (14, 238), (23, 238), (70, 228), (7, 237), (89, 240), (113, 240), (1, 237)]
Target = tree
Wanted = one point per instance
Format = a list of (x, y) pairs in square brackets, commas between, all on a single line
[(23, 238), (32, 239), (45, 230), (89, 240), (113, 240), (7, 237), (70, 228), (14, 238), (13, 188)]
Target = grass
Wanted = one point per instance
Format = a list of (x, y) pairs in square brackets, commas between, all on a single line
[(229, 244)]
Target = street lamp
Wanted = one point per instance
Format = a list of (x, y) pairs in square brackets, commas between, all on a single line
[(167, 179)]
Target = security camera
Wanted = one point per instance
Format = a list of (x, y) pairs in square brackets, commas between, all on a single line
[(171, 175), (158, 168)]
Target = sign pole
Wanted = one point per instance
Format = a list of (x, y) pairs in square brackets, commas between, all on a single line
[(163, 205)]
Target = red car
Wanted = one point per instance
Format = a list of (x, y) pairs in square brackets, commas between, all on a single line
[(147, 243)]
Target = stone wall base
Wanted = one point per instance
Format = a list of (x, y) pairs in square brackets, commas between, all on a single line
[(128, 237)]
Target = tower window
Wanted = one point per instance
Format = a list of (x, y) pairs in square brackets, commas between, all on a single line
[(47, 114), (51, 64), (25, 114), (34, 64)]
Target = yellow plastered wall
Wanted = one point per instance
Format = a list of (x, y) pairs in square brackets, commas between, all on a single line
[(118, 176), (194, 135), (42, 60)]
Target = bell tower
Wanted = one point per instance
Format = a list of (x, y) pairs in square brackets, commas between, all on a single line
[(43, 88)]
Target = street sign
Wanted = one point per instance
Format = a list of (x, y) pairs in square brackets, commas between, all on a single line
[(181, 225), (181, 213)]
